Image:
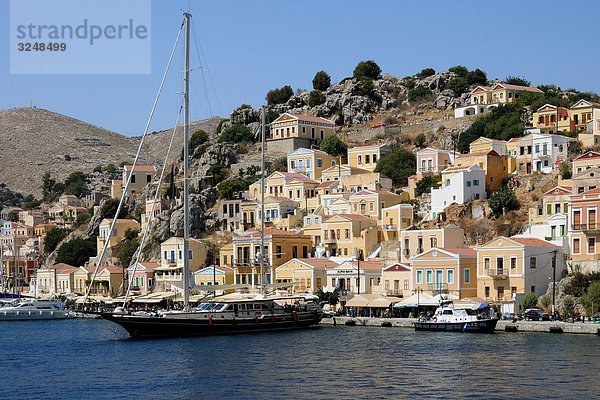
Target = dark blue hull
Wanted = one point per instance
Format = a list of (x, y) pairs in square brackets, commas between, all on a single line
[(479, 326)]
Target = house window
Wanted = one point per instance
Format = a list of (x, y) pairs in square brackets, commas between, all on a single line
[(294, 251), (486, 264), (429, 276), (475, 182), (513, 263), (190, 254), (591, 245), (312, 133), (374, 158), (347, 234), (486, 291), (278, 251), (319, 163), (360, 159), (468, 183), (450, 276), (532, 262), (308, 220), (148, 178), (467, 275), (292, 164), (419, 276), (304, 251), (367, 159), (303, 129), (133, 178), (433, 241), (576, 246), (548, 209)]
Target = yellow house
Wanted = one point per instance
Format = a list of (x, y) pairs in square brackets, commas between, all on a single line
[(369, 181), (312, 226), (484, 144), (301, 126), (118, 232), (82, 278), (506, 93), (494, 165), (397, 281), (294, 185), (310, 162), (555, 201), (55, 279), (417, 241), (481, 95), (226, 254), (169, 276), (395, 219), (280, 247), (308, 274), (108, 280), (372, 202), (546, 117), (213, 275), (444, 270), (339, 205), (276, 209), (141, 175), (588, 160), (344, 235), (366, 157), (337, 172), (582, 113), (510, 268)]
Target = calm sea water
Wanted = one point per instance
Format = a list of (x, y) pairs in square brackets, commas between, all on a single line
[(94, 359)]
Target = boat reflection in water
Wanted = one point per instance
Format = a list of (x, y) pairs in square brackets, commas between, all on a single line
[(233, 313)]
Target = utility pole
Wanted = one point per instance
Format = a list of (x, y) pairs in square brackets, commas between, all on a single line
[(554, 284)]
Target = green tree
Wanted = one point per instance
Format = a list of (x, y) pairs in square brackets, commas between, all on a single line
[(237, 134), (397, 165), (13, 216), (530, 300), (47, 184), (316, 98), (108, 209), (229, 187), (420, 140), (76, 184), (197, 139), (367, 69), (545, 302), (217, 173), (517, 80), (591, 300), (279, 164), (503, 200), (331, 298), (458, 85), (427, 183), (365, 87), (279, 96), (76, 252), (459, 70), (321, 81), (334, 146), (565, 170), (419, 93), (53, 237), (476, 77), (425, 72), (503, 122)]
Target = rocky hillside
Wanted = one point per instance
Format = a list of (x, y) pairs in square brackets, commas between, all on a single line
[(35, 141)]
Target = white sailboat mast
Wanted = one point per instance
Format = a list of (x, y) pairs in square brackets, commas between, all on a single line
[(262, 202), (186, 167)]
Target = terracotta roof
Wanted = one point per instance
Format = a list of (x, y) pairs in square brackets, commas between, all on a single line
[(372, 265), (512, 140), (319, 263), (589, 154), (458, 168), (279, 199), (462, 251), (396, 267), (121, 220), (299, 176), (311, 118), (62, 267), (354, 217), (534, 242), (517, 87), (269, 231), (141, 168), (366, 192), (327, 184)]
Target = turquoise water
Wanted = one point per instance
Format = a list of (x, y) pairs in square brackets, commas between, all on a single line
[(94, 359)]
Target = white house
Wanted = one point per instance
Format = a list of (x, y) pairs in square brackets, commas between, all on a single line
[(555, 231), (540, 152), (460, 185), (432, 161)]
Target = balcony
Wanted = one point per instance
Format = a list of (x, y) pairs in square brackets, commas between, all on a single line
[(497, 273), (406, 252), (394, 292), (330, 241), (438, 288), (585, 227)]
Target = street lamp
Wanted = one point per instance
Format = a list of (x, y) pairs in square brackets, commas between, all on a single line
[(359, 255)]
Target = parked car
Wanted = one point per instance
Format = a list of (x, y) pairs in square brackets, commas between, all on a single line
[(535, 314), (379, 125)]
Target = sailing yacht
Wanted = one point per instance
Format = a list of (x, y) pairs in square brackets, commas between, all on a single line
[(233, 313)]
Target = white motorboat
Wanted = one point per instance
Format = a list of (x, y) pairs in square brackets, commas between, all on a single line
[(32, 309), (450, 319)]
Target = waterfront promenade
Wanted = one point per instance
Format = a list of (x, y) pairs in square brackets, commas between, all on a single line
[(503, 326)]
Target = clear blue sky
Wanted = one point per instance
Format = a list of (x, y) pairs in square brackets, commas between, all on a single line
[(254, 46)]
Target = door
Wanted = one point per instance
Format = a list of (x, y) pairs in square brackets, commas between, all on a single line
[(592, 219)]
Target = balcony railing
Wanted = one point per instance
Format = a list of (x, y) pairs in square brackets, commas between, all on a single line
[(329, 240), (394, 292), (585, 227), (437, 287), (406, 252), (499, 273)]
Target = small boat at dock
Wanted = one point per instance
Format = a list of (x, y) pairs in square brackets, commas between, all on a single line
[(447, 318), (32, 309)]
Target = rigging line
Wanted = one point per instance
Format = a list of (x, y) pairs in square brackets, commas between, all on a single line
[(135, 160), (138, 252), (198, 45)]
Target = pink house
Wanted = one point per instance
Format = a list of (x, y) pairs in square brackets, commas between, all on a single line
[(143, 277), (431, 161)]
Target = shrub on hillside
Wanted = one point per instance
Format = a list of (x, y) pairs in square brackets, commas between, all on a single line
[(458, 85), (419, 93), (237, 134), (530, 300), (503, 122), (425, 72), (517, 80), (427, 183), (367, 69), (321, 81), (76, 252), (279, 96), (53, 238), (229, 187), (459, 70)]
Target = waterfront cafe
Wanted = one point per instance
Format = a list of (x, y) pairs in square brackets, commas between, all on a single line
[(370, 305), (415, 304)]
